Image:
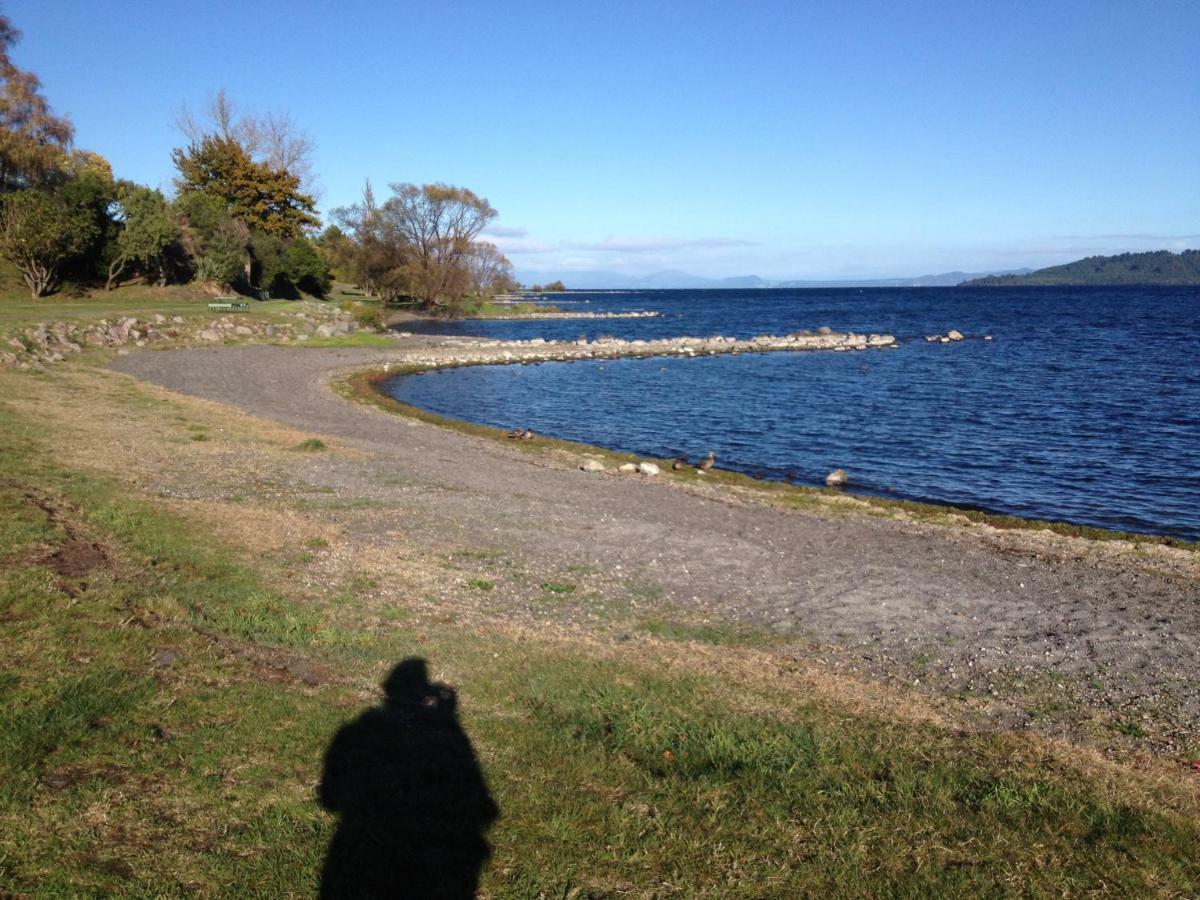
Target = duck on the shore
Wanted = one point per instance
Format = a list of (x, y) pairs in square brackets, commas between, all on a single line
[(520, 434), (680, 463), (708, 462)]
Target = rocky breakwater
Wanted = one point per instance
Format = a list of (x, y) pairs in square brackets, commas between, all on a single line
[(952, 336), (569, 314), (467, 351), (47, 343)]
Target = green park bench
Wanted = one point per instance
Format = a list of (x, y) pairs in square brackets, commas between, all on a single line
[(228, 303)]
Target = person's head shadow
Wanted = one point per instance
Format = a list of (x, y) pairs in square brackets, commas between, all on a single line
[(412, 800)]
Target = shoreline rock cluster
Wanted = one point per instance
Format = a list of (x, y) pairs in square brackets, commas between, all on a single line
[(472, 351), (950, 337), (47, 343)]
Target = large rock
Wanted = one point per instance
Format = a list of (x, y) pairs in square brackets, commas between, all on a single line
[(326, 330), (592, 465), (209, 334), (954, 335), (627, 468), (647, 468), (837, 478)]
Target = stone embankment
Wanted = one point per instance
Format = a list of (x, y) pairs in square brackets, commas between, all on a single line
[(468, 351), (47, 343)]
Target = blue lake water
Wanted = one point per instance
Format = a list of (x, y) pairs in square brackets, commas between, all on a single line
[(1085, 406)]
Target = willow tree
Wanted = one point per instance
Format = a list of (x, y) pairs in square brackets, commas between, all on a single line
[(488, 270), (439, 223)]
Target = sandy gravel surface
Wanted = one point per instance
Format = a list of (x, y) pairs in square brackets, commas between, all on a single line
[(1036, 623)]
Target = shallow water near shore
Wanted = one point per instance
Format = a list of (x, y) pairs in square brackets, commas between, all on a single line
[(1085, 406)]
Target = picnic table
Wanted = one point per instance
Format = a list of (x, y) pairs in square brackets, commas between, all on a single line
[(228, 303)]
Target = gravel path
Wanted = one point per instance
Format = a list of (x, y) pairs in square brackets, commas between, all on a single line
[(896, 599)]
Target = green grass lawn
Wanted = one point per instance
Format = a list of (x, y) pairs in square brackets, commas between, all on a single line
[(18, 309), (165, 710)]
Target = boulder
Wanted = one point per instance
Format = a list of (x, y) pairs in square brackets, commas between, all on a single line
[(209, 334), (837, 478), (647, 468), (824, 329), (954, 335), (627, 468), (592, 465), (243, 330), (326, 330)]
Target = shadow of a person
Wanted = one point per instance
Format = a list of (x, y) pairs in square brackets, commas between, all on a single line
[(413, 803)]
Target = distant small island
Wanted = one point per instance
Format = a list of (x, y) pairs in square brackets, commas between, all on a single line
[(1157, 267)]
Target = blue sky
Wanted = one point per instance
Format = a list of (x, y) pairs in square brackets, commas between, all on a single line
[(787, 140)]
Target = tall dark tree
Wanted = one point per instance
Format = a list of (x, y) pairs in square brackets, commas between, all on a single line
[(261, 197)]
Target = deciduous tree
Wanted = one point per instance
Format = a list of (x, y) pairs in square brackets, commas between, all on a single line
[(271, 138), (149, 230), (39, 233), (33, 140), (439, 223), (489, 270)]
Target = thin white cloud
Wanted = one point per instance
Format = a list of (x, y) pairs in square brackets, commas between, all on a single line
[(502, 231), (1128, 237), (515, 245), (658, 245), (512, 240)]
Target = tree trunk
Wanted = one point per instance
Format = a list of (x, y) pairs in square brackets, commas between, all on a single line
[(114, 270), (39, 278)]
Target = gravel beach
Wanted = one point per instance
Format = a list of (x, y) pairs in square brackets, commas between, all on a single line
[(1027, 618)]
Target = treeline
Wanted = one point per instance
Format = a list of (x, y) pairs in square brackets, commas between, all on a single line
[(242, 215), (1156, 267)]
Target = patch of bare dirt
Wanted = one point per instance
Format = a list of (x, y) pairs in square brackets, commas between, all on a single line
[(75, 559)]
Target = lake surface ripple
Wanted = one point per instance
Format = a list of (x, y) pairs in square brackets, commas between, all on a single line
[(1085, 407)]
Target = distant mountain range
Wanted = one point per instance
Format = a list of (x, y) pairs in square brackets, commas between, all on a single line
[(600, 279), (1156, 267)]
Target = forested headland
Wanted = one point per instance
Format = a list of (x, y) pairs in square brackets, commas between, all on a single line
[(1157, 267), (241, 214)]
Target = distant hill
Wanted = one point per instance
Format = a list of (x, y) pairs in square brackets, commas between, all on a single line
[(945, 279), (1157, 267), (598, 279)]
